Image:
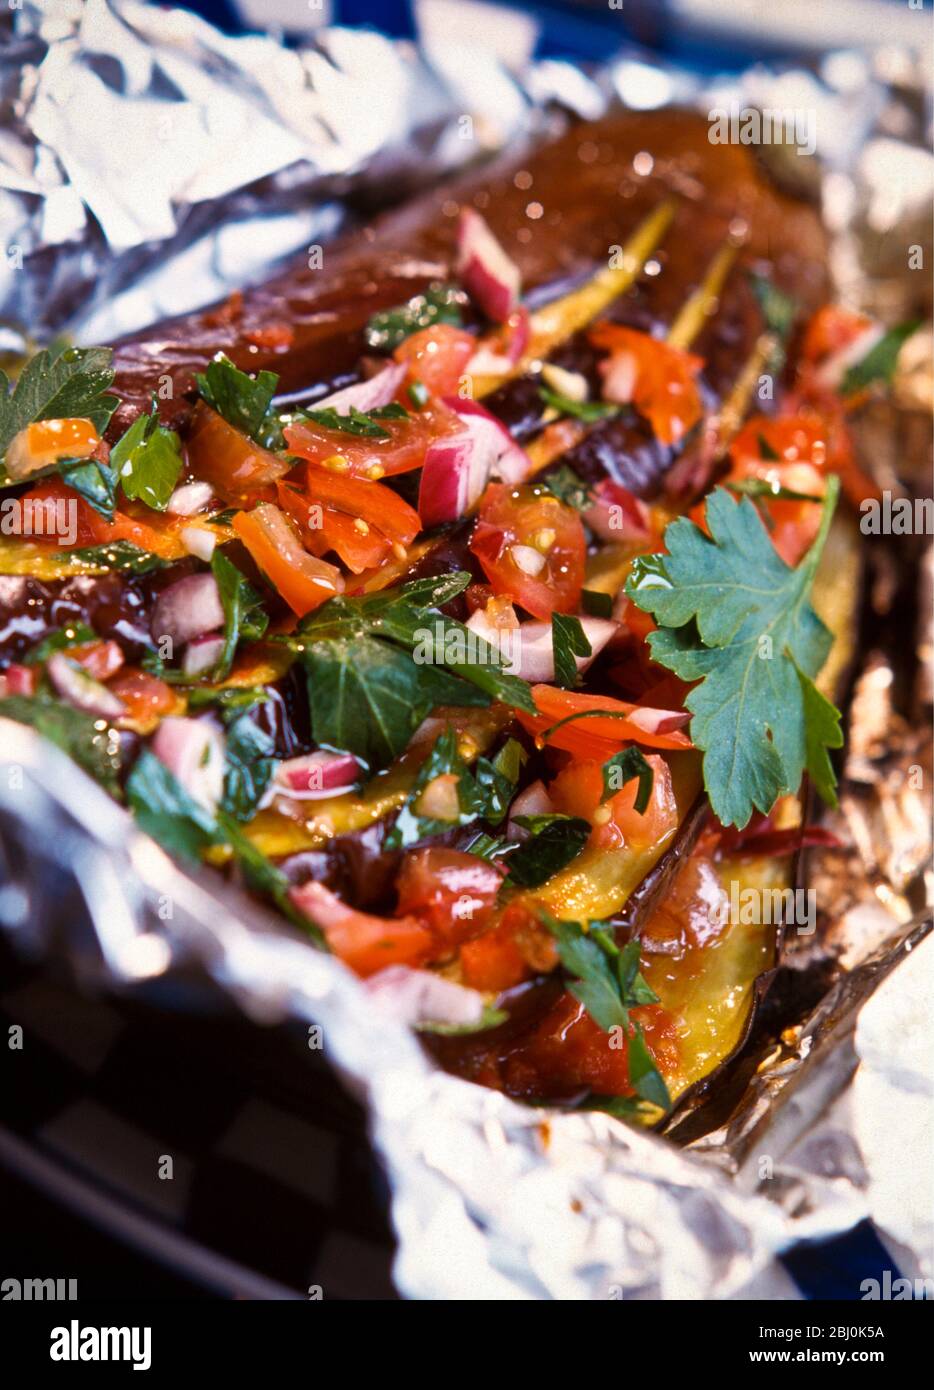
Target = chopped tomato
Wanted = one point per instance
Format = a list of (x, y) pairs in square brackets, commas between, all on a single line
[(635, 620), (18, 680), (49, 441), (808, 446), (493, 962), (454, 892), (276, 337), (364, 457), (147, 699), (596, 737), (371, 502), (100, 659), (364, 942), (832, 329), (238, 470), (92, 529), (532, 547), (566, 1053), (437, 356), (578, 791), (303, 581), (360, 546), (656, 377)]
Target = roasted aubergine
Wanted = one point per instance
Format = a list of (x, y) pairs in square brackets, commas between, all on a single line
[(476, 593)]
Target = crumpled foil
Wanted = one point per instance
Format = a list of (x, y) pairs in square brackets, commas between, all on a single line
[(149, 163), (491, 1199)]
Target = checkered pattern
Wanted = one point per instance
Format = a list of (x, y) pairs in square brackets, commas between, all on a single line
[(274, 1187)]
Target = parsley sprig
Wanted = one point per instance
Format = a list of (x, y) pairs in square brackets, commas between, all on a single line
[(736, 619), (61, 383)]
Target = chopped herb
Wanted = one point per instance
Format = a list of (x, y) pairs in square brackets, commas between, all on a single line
[(245, 619), (93, 481), (244, 401), (439, 304), (167, 812), (93, 748), (766, 451), (186, 829), (60, 383), (629, 1108), (118, 555), (443, 760), (418, 394), (490, 1018), (490, 847), (761, 487), (57, 641), (147, 461), (779, 312), (358, 422), (568, 640), (735, 618), (555, 842), (250, 764), (622, 768), (379, 663), (229, 699), (500, 777), (588, 411), (880, 361), (564, 483), (595, 604)]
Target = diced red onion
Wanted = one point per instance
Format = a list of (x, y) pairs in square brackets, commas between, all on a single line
[(486, 362), (190, 498), (81, 690), (198, 541), (510, 462), (457, 469), (658, 721), (497, 358), (188, 609), (193, 751), (318, 774), (377, 391), (454, 474), (490, 278), (419, 996), (616, 514), (528, 649), (532, 801), (529, 560), (202, 654), (619, 374), (18, 680)]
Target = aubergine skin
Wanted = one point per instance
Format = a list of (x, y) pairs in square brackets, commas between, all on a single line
[(581, 197)]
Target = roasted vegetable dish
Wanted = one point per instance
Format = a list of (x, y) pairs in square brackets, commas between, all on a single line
[(477, 594)]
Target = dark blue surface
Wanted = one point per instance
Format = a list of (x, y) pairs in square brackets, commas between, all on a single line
[(836, 1268)]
